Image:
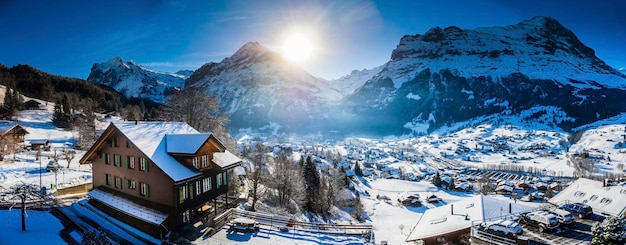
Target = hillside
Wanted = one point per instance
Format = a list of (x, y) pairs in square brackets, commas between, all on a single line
[(34, 83)]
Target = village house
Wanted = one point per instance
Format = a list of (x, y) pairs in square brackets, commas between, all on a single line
[(602, 198), (451, 223), (13, 130), (158, 176), (32, 105)]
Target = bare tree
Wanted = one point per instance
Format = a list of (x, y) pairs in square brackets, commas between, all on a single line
[(86, 124), (200, 111), (255, 176), (23, 192), (69, 156), (286, 181)]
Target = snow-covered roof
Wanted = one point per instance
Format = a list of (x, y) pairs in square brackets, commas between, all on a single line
[(8, 125), (149, 137), (185, 143), (226, 159), (130, 208), (610, 199), (451, 217)]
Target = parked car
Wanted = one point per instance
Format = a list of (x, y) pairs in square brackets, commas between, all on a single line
[(578, 209), (503, 228), (565, 217), (52, 166), (542, 220)]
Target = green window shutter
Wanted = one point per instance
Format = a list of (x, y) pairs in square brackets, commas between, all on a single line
[(147, 190), (147, 165), (126, 162)]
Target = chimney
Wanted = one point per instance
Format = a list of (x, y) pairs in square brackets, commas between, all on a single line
[(451, 209), (510, 207)]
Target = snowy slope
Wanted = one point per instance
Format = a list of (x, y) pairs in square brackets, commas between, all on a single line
[(134, 80), (347, 84), (259, 89)]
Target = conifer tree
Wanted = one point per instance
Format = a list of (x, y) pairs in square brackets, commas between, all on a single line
[(59, 118), (451, 185), (437, 180), (311, 185), (357, 170), (9, 104)]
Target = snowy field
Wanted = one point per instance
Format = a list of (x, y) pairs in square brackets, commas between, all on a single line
[(41, 228), (23, 167)]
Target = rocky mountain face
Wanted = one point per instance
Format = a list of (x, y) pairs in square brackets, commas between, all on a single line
[(262, 91), (451, 75), (136, 81)]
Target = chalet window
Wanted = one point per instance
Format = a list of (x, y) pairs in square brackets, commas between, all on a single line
[(114, 142), (182, 193), (129, 145), (131, 184), (218, 178), (144, 189), (118, 182), (130, 162), (195, 162), (143, 164), (186, 218), (117, 160), (198, 188), (205, 161), (441, 239), (106, 159), (191, 192), (206, 184), (107, 179)]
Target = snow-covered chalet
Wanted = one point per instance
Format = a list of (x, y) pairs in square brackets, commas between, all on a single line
[(158, 176)]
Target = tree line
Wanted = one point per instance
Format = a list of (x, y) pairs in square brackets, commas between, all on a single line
[(298, 186)]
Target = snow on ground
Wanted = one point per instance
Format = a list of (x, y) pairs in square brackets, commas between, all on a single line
[(41, 228), (273, 236), (24, 167)]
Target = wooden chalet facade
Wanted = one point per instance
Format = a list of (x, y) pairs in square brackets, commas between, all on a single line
[(13, 130), (158, 176)]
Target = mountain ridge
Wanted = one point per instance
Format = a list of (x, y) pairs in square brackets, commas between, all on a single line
[(443, 76), (134, 80), (451, 75)]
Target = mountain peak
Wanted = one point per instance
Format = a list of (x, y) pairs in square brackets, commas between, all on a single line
[(134, 80), (253, 52)]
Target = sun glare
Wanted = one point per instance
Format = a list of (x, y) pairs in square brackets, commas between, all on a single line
[(298, 47)]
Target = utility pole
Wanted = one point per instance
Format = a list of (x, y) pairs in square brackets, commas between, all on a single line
[(39, 156)]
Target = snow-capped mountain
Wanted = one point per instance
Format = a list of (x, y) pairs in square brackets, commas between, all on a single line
[(347, 84), (133, 80), (261, 90), (451, 75)]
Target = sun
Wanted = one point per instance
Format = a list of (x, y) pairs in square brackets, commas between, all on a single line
[(298, 47)]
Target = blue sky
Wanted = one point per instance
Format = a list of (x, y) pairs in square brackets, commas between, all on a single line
[(67, 37)]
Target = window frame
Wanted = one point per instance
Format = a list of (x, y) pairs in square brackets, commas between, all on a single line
[(144, 189)]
